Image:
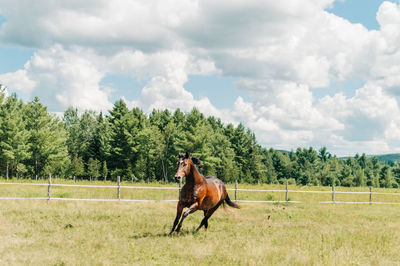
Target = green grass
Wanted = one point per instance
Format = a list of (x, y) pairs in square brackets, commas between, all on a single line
[(34, 232)]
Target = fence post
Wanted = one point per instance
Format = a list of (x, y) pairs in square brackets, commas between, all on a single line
[(235, 190), (287, 192), (119, 187), (74, 179), (370, 195), (333, 193), (48, 188)]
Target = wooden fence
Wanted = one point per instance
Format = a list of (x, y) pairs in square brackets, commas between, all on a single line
[(236, 190)]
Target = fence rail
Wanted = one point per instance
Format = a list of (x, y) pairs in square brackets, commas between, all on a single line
[(236, 189)]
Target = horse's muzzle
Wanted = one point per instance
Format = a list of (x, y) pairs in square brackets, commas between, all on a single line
[(178, 178)]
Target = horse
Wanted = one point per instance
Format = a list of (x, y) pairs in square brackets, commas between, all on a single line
[(198, 193)]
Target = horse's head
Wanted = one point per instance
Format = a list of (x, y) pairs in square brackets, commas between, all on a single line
[(183, 164)]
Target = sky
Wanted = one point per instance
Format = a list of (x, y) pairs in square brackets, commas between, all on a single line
[(297, 73)]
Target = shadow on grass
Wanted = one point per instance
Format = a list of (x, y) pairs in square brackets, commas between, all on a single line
[(158, 235)]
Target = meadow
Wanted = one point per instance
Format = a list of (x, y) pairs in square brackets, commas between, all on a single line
[(37, 232)]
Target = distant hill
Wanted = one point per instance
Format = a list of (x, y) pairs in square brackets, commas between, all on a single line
[(386, 158), (282, 151)]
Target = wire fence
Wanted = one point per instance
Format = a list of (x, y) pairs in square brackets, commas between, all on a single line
[(118, 198)]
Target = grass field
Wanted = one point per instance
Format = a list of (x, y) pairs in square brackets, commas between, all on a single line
[(34, 232)]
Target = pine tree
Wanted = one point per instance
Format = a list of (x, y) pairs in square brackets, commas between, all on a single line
[(145, 166), (266, 159), (359, 178), (120, 151), (166, 137), (14, 145), (385, 177), (86, 135), (93, 168), (171, 137), (241, 146), (104, 171), (125, 128), (77, 167), (72, 127), (47, 139)]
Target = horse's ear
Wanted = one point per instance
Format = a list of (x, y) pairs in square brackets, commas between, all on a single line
[(187, 155), (180, 155)]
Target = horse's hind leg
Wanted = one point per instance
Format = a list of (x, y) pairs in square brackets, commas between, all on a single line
[(204, 221), (207, 215), (179, 209)]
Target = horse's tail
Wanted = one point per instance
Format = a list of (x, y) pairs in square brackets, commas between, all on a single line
[(230, 203)]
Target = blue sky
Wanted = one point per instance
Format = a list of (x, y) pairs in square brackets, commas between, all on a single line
[(315, 73), (358, 11)]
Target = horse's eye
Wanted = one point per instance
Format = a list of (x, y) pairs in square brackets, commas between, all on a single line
[(184, 164)]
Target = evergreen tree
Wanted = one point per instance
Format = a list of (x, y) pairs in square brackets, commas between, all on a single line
[(222, 155), (128, 143), (307, 166), (93, 168), (100, 146), (145, 164), (386, 178), (266, 159), (47, 140), (241, 146), (396, 172), (359, 178), (104, 170), (346, 177), (14, 145), (77, 167), (86, 135), (279, 164), (125, 128), (72, 127)]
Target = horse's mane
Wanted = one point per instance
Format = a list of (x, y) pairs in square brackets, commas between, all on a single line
[(197, 163)]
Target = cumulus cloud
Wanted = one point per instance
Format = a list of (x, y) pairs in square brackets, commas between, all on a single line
[(61, 77), (19, 81), (169, 72), (279, 51)]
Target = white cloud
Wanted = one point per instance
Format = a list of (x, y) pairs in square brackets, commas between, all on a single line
[(19, 81), (279, 51), (102, 24), (169, 72), (370, 117), (61, 78)]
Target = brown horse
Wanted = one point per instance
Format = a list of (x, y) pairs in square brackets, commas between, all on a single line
[(199, 193)]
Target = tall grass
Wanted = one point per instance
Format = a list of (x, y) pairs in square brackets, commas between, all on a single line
[(76, 233)]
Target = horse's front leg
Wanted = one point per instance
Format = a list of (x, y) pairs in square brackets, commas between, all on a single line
[(179, 209), (191, 209)]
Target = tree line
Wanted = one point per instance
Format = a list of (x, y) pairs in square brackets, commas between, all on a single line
[(128, 143)]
